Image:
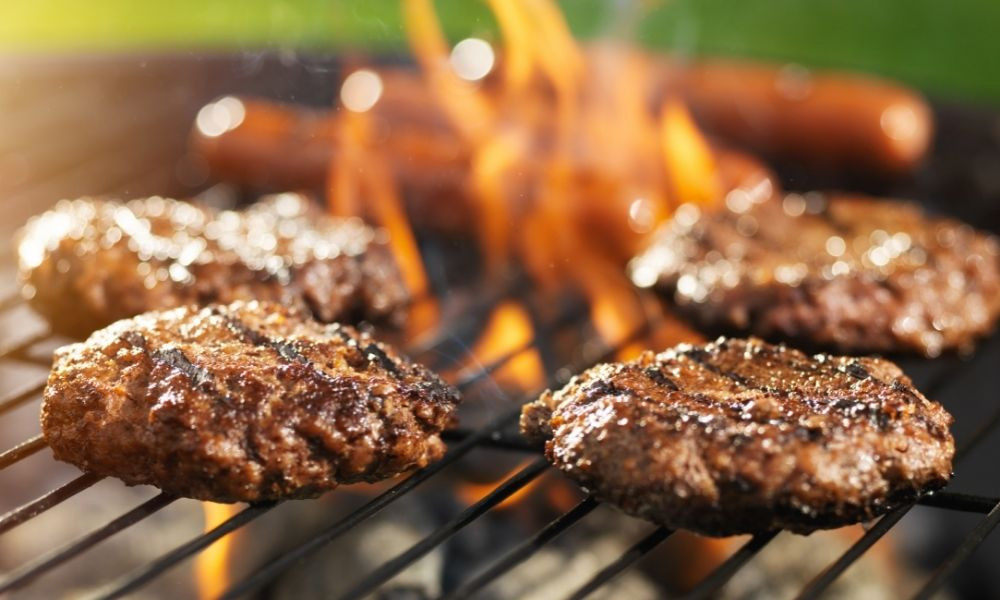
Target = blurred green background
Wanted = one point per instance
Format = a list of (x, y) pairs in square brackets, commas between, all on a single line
[(948, 48)]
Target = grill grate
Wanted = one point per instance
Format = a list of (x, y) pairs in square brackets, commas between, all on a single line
[(932, 377), (463, 442)]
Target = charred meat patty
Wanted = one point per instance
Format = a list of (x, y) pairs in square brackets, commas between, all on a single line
[(850, 273), (246, 402), (739, 436), (88, 263)]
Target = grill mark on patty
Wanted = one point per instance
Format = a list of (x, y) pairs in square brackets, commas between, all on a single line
[(286, 350), (200, 378), (369, 350), (854, 369), (659, 378), (899, 387), (382, 358), (701, 357), (172, 357), (176, 359), (283, 347)]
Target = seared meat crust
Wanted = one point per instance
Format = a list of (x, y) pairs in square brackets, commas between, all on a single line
[(91, 262), (740, 436), (245, 402), (849, 273)]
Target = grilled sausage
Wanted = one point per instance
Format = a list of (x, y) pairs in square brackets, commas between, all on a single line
[(824, 119)]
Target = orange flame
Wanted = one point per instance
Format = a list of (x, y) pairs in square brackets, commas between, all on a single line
[(541, 134), (470, 493), (361, 174), (561, 493), (467, 109), (689, 159), (554, 114), (569, 166), (667, 328), (489, 168), (509, 331), (212, 565)]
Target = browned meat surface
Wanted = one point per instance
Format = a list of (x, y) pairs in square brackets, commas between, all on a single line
[(246, 402), (739, 436), (850, 273), (88, 262)]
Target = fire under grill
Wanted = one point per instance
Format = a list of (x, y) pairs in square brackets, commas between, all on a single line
[(565, 342)]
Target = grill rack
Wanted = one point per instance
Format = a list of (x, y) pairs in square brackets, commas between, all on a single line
[(965, 136), (461, 443)]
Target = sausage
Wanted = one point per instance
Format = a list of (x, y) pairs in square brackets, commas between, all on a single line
[(284, 147), (273, 147), (824, 119)]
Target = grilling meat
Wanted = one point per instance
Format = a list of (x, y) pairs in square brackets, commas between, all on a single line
[(850, 273), (245, 402), (740, 436), (91, 262)]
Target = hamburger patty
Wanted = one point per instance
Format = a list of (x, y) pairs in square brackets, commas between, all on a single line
[(91, 262), (849, 273), (739, 436), (245, 402)]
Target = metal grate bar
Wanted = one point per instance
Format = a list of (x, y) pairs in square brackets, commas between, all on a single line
[(269, 571), (264, 574), (497, 440), (363, 513), (978, 435), (415, 553), (30, 571), (432, 340), (22, 345), (710, 586), (822, 581), (22, 451), (934, 386), (43, 503), (466, 380), (815, 587), (137, 578), (724, 572), (969, 545), (959, 502), (825, 578), (20, 398), (625, 561), (525, 550)]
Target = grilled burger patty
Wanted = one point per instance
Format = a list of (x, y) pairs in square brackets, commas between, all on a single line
[(91, 262), (245, 402), (850, 273), (739, 436)]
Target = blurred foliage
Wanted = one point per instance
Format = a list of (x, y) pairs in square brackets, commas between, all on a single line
[(950, 48)]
